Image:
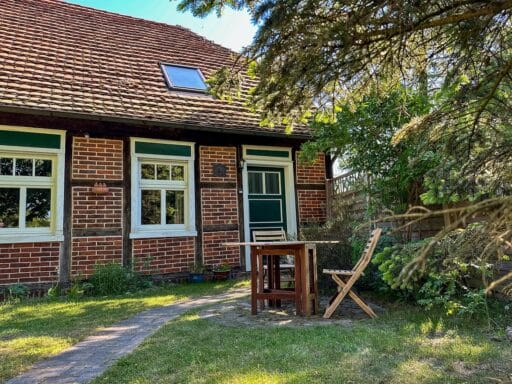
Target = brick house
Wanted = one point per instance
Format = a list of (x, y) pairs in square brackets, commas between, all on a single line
[(112, 151)]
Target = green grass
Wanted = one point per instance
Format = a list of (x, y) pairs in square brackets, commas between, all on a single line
[(406, 345), (36, 329)]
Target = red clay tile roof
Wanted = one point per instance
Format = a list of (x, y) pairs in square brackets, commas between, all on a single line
[(66, 58)]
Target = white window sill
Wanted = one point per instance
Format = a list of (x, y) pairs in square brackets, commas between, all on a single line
[(29, 238), (162, 233)]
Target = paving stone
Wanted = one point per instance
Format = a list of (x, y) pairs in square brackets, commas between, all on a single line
[(89, 358)]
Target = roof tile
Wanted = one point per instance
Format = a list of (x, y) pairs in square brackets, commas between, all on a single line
[(64, 57)]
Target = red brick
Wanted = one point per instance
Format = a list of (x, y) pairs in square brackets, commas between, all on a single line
[(98, 159), (29, 262), (163, 255), (88, 251)]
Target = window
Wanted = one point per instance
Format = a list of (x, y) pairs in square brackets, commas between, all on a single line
[(267, 183), (31, 187), (184, 78), (163, 200)]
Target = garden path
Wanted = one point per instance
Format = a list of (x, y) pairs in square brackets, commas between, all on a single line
[(89, 358)]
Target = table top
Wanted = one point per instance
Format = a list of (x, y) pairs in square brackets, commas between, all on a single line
[(278, 243)]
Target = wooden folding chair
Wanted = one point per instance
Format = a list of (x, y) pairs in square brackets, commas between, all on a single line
[(347, 278), (269, 235)]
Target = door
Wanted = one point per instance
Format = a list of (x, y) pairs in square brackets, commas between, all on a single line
[(267, 198)]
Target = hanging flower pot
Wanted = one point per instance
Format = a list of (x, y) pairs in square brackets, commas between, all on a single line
[(100, 189)]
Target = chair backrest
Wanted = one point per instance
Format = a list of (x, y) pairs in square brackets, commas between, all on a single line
[(269, 235), (368, 250)]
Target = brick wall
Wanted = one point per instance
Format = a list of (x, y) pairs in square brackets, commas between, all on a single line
[(91, 210), (88, 251), (312, 206), (217, 155), (219, 205), (311, 173), (311, 192), (99, 159), (215, 253), (163, 255), (29, 263), (96, 160)]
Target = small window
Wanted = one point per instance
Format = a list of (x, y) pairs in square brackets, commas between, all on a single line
[(185, 78)]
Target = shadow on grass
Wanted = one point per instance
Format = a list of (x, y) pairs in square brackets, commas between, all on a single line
[(38, 328), (398, 348)]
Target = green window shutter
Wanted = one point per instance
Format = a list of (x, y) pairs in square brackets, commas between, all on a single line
[(268, 153), (162, 149), (30, 139)]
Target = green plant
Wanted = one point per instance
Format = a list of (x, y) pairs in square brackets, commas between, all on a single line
[(223, 267), (448, 279), (110, 279), (16, 292)]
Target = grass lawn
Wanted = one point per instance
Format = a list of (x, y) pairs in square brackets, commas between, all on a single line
[(406, 345), (35, 329)]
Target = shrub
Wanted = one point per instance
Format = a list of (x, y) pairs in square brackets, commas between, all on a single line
[(16, 292), (448, 279), (114, 279)]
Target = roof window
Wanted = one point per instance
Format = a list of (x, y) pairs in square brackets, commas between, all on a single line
[(184, 78)]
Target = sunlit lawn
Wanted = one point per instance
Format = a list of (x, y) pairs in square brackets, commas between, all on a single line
[(38, 328), (405, 346)]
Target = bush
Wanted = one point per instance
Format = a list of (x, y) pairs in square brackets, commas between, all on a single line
[(16, 292), (448, 279), (114, 279)]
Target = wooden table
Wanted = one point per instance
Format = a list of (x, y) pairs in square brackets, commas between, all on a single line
[(304, 293)]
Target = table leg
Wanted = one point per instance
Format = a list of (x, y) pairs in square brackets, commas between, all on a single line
[(270, 276), (254, 281), (277, 276), (261, 278), (315, 278), (298, 282), (306, 288)]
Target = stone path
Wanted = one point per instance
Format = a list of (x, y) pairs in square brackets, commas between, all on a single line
[(91, 357)]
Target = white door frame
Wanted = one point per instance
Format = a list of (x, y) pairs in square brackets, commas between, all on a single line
[(289, 182)]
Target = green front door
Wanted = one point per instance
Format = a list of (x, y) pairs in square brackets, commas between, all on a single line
[(267, 201)]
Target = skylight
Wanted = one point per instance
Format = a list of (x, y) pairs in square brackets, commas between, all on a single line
[(184, 78)]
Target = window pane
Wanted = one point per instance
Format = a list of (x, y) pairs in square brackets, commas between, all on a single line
[(6, 166), (44, 168), (38, 207), (185, 77), (147, 171), (23, 167), (272, 183), (162, 172), (178, 172), (175, 209), (255, 182), (150, 207), (9, 207)]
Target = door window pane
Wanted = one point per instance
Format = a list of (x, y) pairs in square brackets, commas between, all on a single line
[(255, 182), (147, 171), (23, 167), (38, 207), (175, 212), (150, 207), (9, 207), (272, 183), (162, 172), (6, 166), (43, 168), (178, 172)]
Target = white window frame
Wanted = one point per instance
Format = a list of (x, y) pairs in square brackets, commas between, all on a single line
[(139, 231), (56, 184)]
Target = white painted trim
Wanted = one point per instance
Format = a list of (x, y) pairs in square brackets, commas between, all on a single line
[(32, 238), (156, 234), (172, 230), (56, 183), (289, 182)]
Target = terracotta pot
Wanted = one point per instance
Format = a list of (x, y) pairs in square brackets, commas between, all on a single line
[(100, 189)]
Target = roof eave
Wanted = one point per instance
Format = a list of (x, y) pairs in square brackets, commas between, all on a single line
[(147, 122)]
